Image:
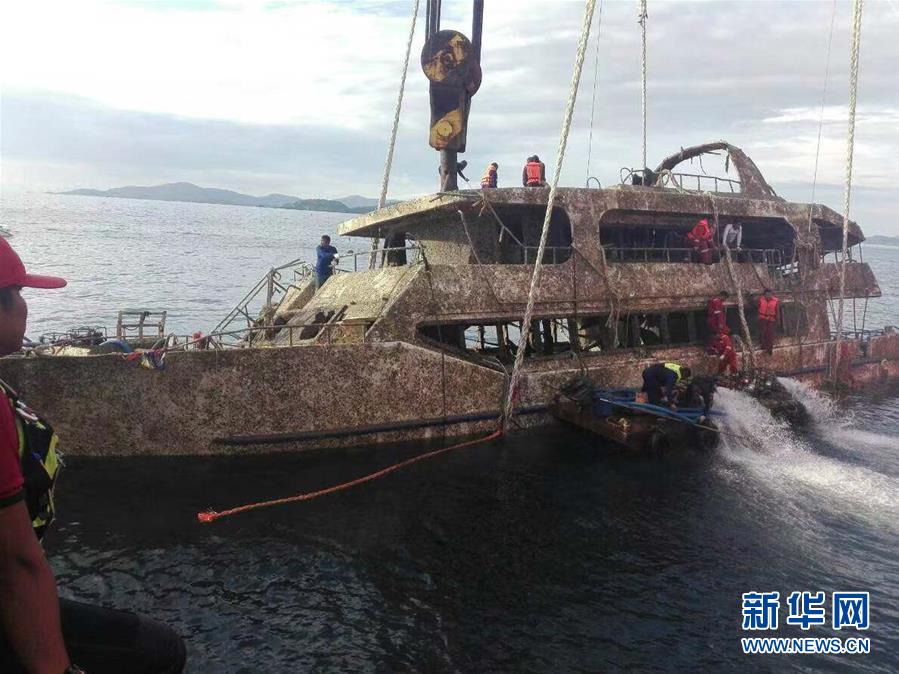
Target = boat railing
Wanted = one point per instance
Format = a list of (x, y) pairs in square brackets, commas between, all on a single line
[(262, 296), (413, 257), (771, 257), (132, 323), (863, 335), (551, 254), (242, 338), (836, 256), (683, 182), (270, 285)]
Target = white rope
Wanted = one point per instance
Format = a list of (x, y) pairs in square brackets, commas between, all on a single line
[(595, 78), (850, 147), (538, 264), (643, 17), (388, 164)]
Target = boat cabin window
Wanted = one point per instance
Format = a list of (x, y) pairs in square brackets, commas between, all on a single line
[(512, 236), (792, 321), (643, 236), (548, 337), (600, 333)]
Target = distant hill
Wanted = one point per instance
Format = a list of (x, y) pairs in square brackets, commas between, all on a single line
[(210, 195), (321, 205), (358, 201), (880, 240)]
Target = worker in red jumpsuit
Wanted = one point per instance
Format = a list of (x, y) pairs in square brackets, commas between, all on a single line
[(716, 314), (701, 237), (767, 318), (723, 347)]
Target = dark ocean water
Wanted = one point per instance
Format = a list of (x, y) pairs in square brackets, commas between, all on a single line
[(544, 552)]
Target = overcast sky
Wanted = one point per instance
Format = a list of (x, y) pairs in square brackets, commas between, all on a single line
[(297, 97)]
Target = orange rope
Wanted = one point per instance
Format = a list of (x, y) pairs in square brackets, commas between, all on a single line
[(212, 515)]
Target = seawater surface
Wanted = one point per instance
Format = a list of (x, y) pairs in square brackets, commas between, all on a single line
[(547, 551)]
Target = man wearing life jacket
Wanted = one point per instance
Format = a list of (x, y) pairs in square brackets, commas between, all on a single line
[(39, 632), (659, 381), (767, 318), (489, 179), (534, 173), (701, 237), (716, 314)]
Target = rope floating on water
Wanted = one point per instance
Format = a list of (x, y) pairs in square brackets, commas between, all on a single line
[(209, 516)]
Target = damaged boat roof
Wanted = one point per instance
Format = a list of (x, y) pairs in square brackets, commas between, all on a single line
[(755, 197)]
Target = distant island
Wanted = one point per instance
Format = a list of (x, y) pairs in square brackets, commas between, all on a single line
[(881, 240), (209, 195)]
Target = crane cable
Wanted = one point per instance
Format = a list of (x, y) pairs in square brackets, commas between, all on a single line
[(538, 264), (595, 78), (850, 147), (388, 164), (833, 16), (643, 17)]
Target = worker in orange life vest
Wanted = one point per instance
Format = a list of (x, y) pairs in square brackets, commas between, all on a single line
[(723, 347), (534, 173), (701, 237), (489, 179), (767, 317)]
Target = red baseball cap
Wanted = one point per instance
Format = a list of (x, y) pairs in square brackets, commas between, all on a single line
[(12, 271)]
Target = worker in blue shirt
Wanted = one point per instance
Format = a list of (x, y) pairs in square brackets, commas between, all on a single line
[(326, 255)]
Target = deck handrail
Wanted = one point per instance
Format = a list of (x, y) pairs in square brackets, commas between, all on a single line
[(773, 257)]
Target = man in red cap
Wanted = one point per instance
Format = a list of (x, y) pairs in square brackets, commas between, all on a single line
[(38, 631)]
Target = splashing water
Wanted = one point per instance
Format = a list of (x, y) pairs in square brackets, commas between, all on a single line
[(795, 471), (820, 406), (838, 424)]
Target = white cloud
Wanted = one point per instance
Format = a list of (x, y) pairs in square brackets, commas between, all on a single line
[(298, 96)]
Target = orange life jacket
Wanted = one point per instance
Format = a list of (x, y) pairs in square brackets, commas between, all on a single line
[(701, 232), (533, 172), (767, 309), (489, 177)]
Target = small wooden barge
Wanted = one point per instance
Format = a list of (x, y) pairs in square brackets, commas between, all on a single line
[(618, 415)]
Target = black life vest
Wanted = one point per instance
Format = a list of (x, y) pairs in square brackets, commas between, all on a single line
[(40, 461)]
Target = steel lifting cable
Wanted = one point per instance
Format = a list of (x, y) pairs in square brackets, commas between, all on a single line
[(544, 234), (850, 147), (595, 79), (833, 16), (388, 163), (643, 17)]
